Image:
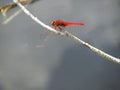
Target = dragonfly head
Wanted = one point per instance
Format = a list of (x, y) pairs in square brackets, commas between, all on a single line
[(53, 23)]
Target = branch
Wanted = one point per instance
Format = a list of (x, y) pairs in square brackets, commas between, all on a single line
[(69, 35), (11, 17), (9, 6)]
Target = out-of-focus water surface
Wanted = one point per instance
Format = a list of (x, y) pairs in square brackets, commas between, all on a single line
[(27, 62)]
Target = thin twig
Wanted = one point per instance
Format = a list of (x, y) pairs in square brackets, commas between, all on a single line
[(69, 35), (11, 17)]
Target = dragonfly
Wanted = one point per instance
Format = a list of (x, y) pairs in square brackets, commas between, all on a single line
[(60, 24)]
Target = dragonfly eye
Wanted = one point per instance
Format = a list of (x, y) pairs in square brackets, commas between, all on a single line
[(53, 23)]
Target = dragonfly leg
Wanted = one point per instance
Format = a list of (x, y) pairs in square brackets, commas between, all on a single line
[(60, 28)]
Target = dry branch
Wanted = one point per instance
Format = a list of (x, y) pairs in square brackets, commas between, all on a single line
[(69, 35)]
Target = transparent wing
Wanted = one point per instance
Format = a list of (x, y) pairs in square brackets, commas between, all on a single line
[(44, 37)]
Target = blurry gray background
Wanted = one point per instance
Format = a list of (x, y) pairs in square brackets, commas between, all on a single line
[(28, 62)]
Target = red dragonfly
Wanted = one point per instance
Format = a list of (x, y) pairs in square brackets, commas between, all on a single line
[(60, 24)]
